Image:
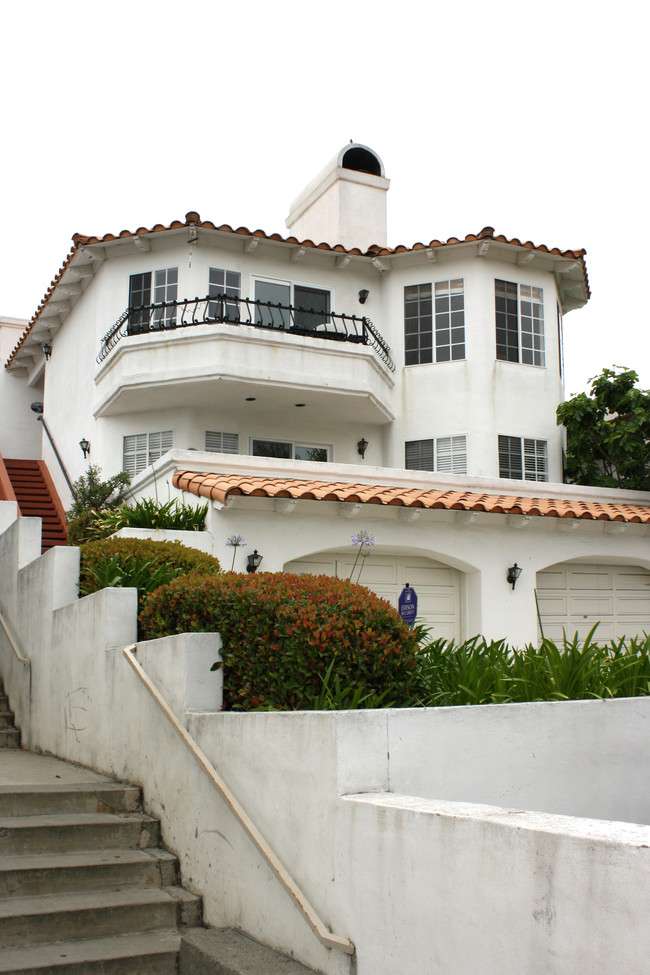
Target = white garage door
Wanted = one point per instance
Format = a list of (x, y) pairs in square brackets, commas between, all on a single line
[(572, 597), (437, 585)]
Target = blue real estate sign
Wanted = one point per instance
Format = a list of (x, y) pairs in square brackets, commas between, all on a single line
[(407, 604)]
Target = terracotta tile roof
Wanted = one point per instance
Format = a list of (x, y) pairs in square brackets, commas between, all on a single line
[(193, 219), (219, 487)]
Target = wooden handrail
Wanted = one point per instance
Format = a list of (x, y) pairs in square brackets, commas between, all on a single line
[(323, 934)]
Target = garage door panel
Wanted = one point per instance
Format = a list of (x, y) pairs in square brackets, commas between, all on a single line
[(552, 605), (591, 580), (422, 576), (596, 607), (551, 580), (616, 597)]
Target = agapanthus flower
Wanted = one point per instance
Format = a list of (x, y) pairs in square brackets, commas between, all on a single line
[(363, 538), (235, 542)]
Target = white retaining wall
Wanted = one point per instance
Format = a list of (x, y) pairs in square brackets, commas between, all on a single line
[(455, 877)]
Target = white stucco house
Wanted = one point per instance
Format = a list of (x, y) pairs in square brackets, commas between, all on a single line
[(324, 382)]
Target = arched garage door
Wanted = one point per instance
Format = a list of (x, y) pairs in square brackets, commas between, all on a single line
[(573, 596), (437, 585)]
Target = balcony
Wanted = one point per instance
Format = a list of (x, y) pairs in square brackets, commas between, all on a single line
[(221, 349)]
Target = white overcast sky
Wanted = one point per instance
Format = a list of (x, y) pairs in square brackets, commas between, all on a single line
[(531, 117)]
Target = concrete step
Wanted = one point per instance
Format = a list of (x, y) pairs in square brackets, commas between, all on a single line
[(6, 717), (222, 951), (98, 914), (9, 738), (101, 797), (149, 953), (69, 832), (26, 876)]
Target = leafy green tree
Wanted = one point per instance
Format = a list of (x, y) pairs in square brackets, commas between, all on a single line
[(90, 496), (608, 432)]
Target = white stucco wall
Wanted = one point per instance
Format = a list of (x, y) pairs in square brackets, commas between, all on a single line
[(20, 433), (431, 883)]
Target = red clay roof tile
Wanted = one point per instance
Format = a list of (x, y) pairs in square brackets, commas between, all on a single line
[(193, 219), (219, 487)]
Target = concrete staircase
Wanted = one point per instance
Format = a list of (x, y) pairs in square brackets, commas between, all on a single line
[(84, 886), (9, 734)]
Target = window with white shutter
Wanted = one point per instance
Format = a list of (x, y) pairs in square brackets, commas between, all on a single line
[(451, 455), (221, 443), (141, 449)]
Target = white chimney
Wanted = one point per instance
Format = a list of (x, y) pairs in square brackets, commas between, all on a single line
[(346, 203)]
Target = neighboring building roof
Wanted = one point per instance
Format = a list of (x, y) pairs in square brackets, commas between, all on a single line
[(193, 220), (219, 487)]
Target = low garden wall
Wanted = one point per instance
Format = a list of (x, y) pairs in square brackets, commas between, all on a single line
[(437, 840)]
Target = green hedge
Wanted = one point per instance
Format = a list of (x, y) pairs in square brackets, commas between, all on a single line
[(283, 635), (140, 562)]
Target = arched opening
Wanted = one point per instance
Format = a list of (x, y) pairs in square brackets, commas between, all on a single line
[(573, 596), (361, 160), (438, 586)]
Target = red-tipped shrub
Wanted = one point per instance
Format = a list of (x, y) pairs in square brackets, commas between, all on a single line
[(281, 632)]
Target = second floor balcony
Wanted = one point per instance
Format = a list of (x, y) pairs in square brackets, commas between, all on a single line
[(177, 353)]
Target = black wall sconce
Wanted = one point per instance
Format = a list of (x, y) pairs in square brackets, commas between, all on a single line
[(363, 296), (47, 350), (513, 574), (253, 561), (85, 446), (36, 408), (362, 446)]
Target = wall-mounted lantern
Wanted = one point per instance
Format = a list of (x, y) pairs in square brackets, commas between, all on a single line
[(363, 296), (362, 446), (47, 350), (85, 446), (513, 574), (253, 561)]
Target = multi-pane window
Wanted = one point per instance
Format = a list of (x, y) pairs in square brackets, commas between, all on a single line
[(223, 282), (313, 305), (162, 287), (418, 324), (519, 322), (523, 459), (449, 454), (449, 322), (286, 450), (141, 449), (221, 443)]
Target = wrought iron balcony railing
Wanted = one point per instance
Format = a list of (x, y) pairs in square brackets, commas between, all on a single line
[(167, 315)]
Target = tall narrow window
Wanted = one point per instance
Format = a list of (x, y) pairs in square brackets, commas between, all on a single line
[(275, 294), (165, 289), (139, 302), (519, 311), (560, 339), (418, 324), (535, 460), (450, 320), (223, 282)]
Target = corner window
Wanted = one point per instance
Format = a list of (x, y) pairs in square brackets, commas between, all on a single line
[(287, 450), (449, 454), (141, 449), (449, 322), (222, 282), (523, 459), (519, 311), (152, 288)]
